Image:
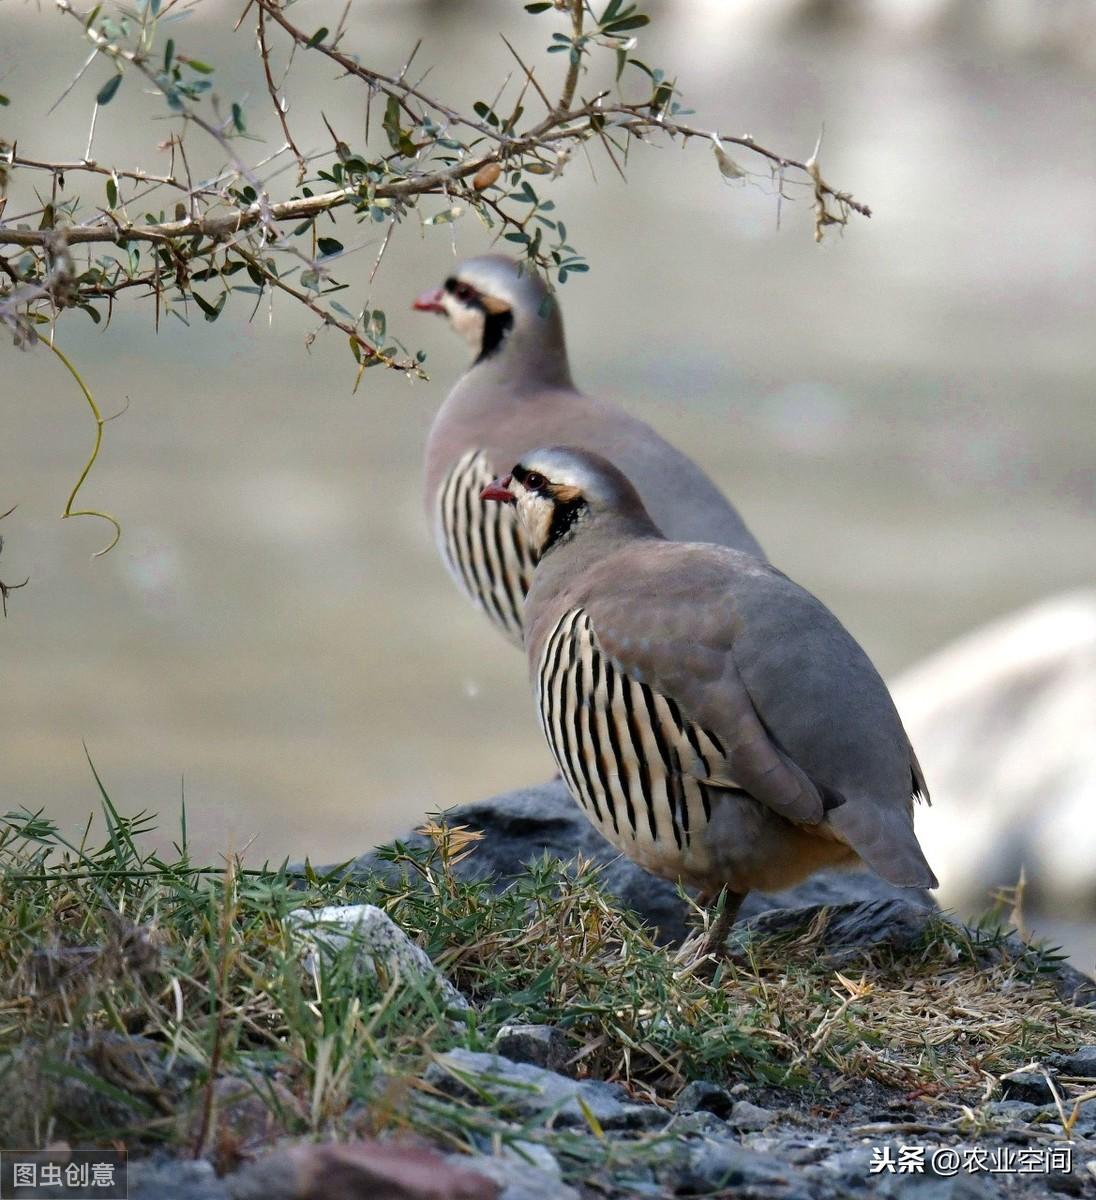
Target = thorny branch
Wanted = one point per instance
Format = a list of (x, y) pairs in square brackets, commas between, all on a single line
[(232, 223)]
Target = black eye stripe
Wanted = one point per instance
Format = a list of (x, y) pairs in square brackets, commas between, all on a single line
[(463, 291), (533, 481)]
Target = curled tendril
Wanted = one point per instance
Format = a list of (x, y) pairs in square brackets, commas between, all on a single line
[(99, 423)]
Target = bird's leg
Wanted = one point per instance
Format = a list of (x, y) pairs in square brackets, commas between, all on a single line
[(716, 941)]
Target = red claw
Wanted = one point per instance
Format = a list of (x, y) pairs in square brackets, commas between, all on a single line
[(497, 490)]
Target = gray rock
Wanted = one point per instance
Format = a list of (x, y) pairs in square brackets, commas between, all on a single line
[(541, 1045), (533, 1154), (849, 1169), (746, 1117), (1085, 1125), (933, 1187), (1081, 1062), (848, 1166), (521, 825), (703, 1096), (396, 1169), (517, 1180), (1019, 1111), (900, 925), (698, 1123), (174, 1179), (1029, 1086), (382, 947), (729, 1168), (849, 929), (521, 1090)]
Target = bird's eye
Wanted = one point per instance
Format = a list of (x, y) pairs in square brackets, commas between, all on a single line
[(534, 481), (463, 292)]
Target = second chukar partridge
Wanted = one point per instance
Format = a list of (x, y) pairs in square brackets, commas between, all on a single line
[(518, 393), (713, 719)]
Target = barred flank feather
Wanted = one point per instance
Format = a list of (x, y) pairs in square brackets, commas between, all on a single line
[(620, 747), (482, 545)]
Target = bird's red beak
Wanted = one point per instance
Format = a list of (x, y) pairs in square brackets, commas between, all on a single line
[(497, 490), (430, 301)]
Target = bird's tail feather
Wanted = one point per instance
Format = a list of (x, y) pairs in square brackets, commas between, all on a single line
[(885, 841)]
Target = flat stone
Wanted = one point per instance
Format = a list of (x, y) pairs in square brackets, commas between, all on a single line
[(522, 1090), (532, 1154), (541, 1045), (746, 1117), (517, 1180), (698, 1123), (395, 1170), (703, 1096), (174, 1179), (728, 1168), (1014, 1110), (933, 1187), (1084, 1126), (1081, 1062), (1029, 1086), (382, 949)]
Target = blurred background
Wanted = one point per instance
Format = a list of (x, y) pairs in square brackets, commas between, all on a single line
[(904, 414)]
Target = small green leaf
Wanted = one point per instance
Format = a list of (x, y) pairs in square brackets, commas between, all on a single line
[(211, 311), (107, 91), (238, 119), (201, 67), (4, 101), (316, 38), (112, 194), (169, 53), (625, 23), (329, 246), (539, 7), (397, 135)]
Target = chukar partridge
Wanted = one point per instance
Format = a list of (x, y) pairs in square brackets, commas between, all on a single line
[(712, 718), (518, 393)]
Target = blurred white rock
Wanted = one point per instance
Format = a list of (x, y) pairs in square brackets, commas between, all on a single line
[(1004, 723)]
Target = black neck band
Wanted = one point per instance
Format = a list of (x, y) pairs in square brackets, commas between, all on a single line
[(564, 519), (495, 327)]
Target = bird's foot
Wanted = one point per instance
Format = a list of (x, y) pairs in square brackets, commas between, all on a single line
[(714, 948)]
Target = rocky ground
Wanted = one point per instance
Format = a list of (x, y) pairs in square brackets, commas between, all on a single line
[(906, 1073)]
